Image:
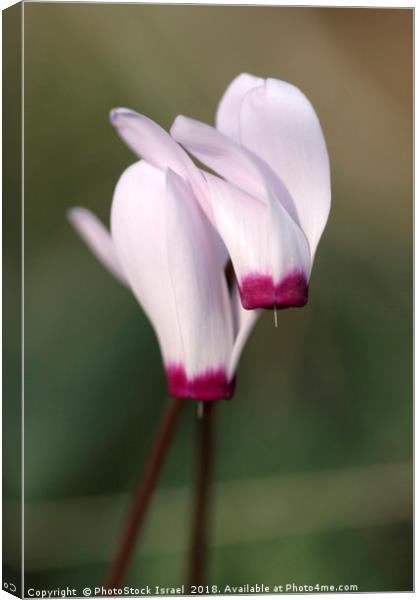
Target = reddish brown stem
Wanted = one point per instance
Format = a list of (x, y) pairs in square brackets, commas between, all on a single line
[(143, 495), (198, 545)]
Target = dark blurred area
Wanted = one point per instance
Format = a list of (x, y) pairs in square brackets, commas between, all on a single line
[(313, 453)]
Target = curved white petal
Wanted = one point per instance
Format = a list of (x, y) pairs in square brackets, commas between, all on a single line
[(291, 257), (152, 143), (245, 321), (161, 239), (269, 252), (198, 283), (98, 239), (227, 116), (242, 222), (138, 232), (220, 153), (279, 124), (230, 160)]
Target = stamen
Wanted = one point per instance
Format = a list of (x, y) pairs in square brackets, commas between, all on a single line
[(275, 317)]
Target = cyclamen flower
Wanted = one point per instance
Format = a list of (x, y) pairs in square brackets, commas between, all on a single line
[(164, 249), (273, 203)]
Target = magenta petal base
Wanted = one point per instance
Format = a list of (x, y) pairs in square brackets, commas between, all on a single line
[(259, 291), (210, 385)]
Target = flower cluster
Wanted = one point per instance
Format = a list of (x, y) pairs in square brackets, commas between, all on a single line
[(174, 226)]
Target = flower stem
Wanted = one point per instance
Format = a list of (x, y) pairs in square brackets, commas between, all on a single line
[(144, 493), (198, 545)]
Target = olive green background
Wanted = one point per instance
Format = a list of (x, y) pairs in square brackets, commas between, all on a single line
[(313, 453)]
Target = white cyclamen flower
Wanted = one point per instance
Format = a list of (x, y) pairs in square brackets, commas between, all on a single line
[(162, 246), (273, 202)]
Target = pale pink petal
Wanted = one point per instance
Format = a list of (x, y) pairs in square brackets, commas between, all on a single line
[(279, 124), (149, 141), (269, 252), (161, 239), (138, 232), (199, 290), (220, 153), (230, 160), (227, 116), (242, 222), (244, 323), (98, 239), (292, 264), (152, 143)]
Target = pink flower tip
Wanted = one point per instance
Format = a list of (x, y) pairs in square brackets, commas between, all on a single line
[(211, 385), (259, 291)]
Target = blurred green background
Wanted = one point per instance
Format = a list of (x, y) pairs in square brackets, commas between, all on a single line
[(313, 454)]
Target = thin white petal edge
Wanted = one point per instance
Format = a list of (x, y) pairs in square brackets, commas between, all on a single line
[(151, 142), (279, 124), (228, 111), (98, 239), (245, 321), (198, 283), (138, 232)]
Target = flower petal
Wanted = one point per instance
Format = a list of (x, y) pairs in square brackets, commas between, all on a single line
[(200, 292), (232, 161), (269, 252), (161, 239), (138, 232), (98, 239), (279, 124), (152, 143), (242, 223), (220, 153), (227, 116), (254, 217), (244, 323)]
